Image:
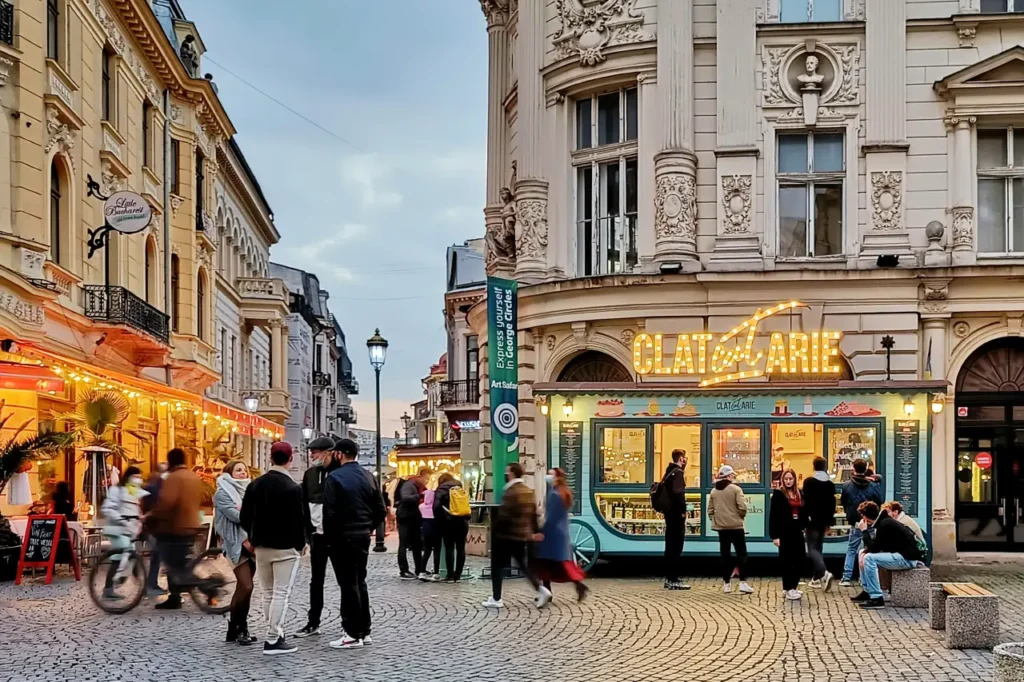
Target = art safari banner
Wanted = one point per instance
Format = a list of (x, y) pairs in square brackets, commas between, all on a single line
[(503, 376)]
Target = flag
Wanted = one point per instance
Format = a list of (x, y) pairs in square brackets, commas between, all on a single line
[(928, 362)]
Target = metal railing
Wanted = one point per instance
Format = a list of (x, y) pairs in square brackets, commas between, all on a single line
[(6, 22), (321, 379), (120, 306), (345, 414), (463, 392), (348, 381)]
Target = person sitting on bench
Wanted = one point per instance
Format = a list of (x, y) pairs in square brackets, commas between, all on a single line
[(889, 545)]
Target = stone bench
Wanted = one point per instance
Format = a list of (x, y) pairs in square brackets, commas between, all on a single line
[(909, 589), (968, 613)]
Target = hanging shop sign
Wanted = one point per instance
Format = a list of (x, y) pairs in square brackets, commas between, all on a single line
[(124, 212), (503, 374), (736, 355)]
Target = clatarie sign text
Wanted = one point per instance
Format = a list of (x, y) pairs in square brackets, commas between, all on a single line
[(734, 357)]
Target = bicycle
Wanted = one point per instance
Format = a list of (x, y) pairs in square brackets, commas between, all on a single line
[(119, 569)]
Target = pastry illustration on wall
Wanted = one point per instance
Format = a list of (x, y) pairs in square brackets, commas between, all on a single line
[(851, 408), (782, 409), (808, 408), (653, 410), (613, 407), (685, 409)]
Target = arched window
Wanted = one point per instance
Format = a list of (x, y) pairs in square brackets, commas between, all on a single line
[(55, 212), (151, 283), (201, 306), (175, 286), (595, 366)]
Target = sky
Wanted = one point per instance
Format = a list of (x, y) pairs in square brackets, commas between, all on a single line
[(403, 83)]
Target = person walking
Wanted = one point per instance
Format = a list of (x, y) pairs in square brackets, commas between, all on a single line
[(889, 544), (452, 513), (322, 450), (862, 487), (786, 522), (408, 496), (513, 528), (152, 487), (727, 508), (671, 494), (227, 521), (353, 508), (553, 555), (175, 518), (273, 518), (820, 509), (431, 538), (121, 514)]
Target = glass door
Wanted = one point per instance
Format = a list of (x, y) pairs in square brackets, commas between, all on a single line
[(990, 489)]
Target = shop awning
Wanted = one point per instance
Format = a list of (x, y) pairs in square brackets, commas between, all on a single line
[(449, 450), (28, 377), (251, 424), (661, 387)]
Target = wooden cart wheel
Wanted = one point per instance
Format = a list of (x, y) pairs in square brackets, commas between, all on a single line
[(586, 547)]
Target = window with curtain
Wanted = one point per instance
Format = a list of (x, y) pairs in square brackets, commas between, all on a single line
[(53, 31), (55, 213), (175, 291), (805, 11), (1001, 190), (811, 175)]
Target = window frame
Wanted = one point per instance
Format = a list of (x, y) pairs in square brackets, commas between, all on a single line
[(175, 166), (1008, 174), (53, 32), (1011, 6), (147, 134), (200, 306), (808, 179), (200, 187), (597, 437), (108, 94), (175, 292), (55, 212), (472, 357), (810, 4)]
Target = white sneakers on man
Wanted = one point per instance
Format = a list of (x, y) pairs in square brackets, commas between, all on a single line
[(543, 597), (727, 588), (794, 595), (346, 642), (493, 603), (745, 588)]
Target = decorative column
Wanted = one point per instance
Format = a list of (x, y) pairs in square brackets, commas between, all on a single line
[(963, 209), (942, 431), (675, 166), (278, 363), (496, 12), (885, 150), (531, 190)]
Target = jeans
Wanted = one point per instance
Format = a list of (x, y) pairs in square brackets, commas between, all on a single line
[(502, 553), (873, 562), (348, 557), (455, 531), (153, 581), (675, 537), (815, 542), (792, 557), (318, 554), (276, 569), (852, 547), (409, 538), (737, 538)]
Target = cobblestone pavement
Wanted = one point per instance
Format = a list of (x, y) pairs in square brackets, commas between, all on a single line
[(629, 629)]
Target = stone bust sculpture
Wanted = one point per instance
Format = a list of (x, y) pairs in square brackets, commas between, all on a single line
[(811, 81)]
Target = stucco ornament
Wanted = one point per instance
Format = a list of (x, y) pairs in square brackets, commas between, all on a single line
[(496, 11), (5, 70), (627, 337), (532, 224), (59, 135), (589, 26), (124, 49), (830, 70), (109, 179), (736, 200), (963, 226), (675, 204), (501, 236), (961, 329), (886, 199)]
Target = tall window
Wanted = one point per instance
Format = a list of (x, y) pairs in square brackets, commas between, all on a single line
[(150, 271), (200, 183), (607, 128), (200, 307), (472, 358), (175, 165), (53, 30), (55, 213), (175, 291), (811, 173), (318, 350), (147, 141), (1001, 190), (107, 85), (800, 11), (999, 6)]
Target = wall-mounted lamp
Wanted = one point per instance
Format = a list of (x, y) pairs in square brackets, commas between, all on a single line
[(908, 406), (567, 407), (542, 403), (938, 402)]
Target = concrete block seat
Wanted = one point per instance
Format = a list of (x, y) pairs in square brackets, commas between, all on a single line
[(909, 588), (968, 613)]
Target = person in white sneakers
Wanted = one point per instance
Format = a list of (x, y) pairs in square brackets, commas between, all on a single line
[(727, 507), (786, 521)]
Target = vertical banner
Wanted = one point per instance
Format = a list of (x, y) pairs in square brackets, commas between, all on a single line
[(502, 377)]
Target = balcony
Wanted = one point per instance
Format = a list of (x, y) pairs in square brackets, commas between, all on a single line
[(119, 306), (349, 383), (460, 393), (274, 403), (321, 380), (6, 22), (263, 299), (346, 414)]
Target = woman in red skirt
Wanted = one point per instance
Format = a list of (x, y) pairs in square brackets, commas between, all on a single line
[(553, 559)]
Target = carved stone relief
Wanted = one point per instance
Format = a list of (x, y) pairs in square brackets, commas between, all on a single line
[(967, 34), (124, 48), (887, 199), (963, 226), (961, 329), (737, 202), (59, 135), (5, 70), (501, 235), (532, 225), (590, 26), (550, 342), (627, 337), (110, 179), (496, 11), (790, 71), (675, 205), (935, 296)]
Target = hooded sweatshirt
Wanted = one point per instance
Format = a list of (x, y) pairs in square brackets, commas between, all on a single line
[(820, 501), (727, 506), (859, 489)]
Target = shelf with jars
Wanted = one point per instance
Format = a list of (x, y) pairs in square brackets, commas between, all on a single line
[(632, 513)]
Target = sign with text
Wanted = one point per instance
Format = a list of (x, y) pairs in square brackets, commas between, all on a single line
[(127, 212), (570, 459), (502, 376), (43, 533), (908, 452)]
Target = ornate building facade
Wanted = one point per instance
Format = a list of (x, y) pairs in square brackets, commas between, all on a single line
[(665, 175)]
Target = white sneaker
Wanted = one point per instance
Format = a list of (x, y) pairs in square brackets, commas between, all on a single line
[(493, 603), (435, 577), (826, 581), (425, 577), (815, 583), (367, 641), (346, 642), (727, 588), (794, 595), (745, 588), (543, 597)]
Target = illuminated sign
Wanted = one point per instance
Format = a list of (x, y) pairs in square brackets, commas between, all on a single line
[(468, 425), (733, 357)]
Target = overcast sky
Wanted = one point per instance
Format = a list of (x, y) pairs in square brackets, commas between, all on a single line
[(404, 83)]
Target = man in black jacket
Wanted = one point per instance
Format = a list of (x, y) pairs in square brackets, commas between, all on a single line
[(820, 507), (408, 496), (889, 544), (674, 482), (273, 518), (321, 450), (353, 508)]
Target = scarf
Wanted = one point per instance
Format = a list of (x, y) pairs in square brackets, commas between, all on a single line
[(234, 487)]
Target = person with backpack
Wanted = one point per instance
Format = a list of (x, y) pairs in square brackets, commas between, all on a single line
[(553, 561), (819, 494), (408, 496), (862, 487), (451, 514), (727, 509), (890, 545), (669, 498)]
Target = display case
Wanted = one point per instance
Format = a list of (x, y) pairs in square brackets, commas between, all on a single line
[(842, 527), (632, 513)]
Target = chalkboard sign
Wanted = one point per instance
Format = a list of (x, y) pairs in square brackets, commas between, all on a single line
[(39, 547), (570, 459), (907, 433)]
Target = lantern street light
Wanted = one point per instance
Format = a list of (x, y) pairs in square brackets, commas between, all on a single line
[(377, 346), (251, 404), (307, 433), (406, 420)]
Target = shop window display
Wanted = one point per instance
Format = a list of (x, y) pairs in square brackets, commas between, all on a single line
[(624, 455), (632, 513), (686, 437), (740, 448), (794, 447), (846, 445)]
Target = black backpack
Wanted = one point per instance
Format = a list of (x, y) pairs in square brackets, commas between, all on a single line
[(661, 496)]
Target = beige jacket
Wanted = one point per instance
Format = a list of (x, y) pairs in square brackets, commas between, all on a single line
[(727, 507)]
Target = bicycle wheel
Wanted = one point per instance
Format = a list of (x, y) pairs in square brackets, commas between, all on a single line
[(216, 581), (128, 585)]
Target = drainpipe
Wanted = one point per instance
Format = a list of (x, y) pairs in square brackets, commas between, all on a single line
[(167, 215)]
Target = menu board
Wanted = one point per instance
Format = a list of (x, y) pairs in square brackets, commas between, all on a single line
[(908, 452), (570, 459), (41, 542)]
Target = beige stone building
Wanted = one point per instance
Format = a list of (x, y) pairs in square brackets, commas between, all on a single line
[(720, 213)]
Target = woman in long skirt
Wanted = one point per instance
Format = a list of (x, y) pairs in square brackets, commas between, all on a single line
[(553, 560)]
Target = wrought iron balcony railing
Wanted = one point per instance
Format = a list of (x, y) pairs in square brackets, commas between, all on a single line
[(348, 381), (321, 379), (6, 22), (463, 392), (120, 306), (346, 414)]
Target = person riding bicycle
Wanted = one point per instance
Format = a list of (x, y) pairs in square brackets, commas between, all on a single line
[(175, 519), (121, 514)]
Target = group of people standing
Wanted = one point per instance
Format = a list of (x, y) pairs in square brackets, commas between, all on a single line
[(429, 520)]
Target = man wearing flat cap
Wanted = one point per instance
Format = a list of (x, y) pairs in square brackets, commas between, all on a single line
[(321, 451)]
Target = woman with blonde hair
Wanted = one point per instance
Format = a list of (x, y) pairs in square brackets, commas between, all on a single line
[(227, 505), (553, 561)]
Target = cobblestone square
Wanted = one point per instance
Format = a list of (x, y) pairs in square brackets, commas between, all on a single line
[(629, 629)]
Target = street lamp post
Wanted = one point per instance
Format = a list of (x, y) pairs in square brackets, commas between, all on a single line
[(406, 420), (252, 403), (377, 345)]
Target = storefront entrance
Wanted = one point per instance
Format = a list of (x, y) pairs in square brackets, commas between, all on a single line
[(990, 449)]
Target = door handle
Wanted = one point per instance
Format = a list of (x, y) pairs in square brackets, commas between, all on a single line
[(1017, 503), (1002, 509)]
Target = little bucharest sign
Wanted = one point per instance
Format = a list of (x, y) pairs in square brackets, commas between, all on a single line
[(127, 212), (735, 355)]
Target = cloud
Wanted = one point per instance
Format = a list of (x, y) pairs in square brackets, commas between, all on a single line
[(461, 162), (461, 212), (365, 171)]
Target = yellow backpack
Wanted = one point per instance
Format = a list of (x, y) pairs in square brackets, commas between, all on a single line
[(458, 502)]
